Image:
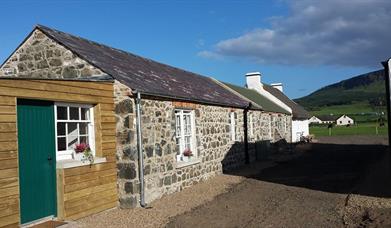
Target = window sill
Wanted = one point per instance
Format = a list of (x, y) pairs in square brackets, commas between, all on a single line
[(182, 164), (70, 163)]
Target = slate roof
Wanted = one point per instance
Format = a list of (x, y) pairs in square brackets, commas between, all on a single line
[(327, 117), (298, 112), (145, 75), (257, 98)]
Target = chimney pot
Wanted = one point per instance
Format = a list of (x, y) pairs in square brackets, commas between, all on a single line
[(253, 80), (278, 86)]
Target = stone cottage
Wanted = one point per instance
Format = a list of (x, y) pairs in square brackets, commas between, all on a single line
[(185, 126)]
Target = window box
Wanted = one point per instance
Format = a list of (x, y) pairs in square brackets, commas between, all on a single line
[(71, 163)]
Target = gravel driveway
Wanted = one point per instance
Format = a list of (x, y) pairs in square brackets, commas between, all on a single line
[(310, 190)]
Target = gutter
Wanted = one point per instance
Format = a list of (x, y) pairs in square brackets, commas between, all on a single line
[(140, 150), (192, 100)]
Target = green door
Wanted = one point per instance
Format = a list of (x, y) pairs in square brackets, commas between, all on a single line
[(37, 161)]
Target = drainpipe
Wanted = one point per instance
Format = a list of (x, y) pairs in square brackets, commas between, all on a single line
[(140, 150), (387, 76), (246, 153)]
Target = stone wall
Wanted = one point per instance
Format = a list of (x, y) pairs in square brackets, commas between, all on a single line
[(41, 57), (215, 150)]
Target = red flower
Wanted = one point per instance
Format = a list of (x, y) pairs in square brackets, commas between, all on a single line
[(187, 152), (80, 148)]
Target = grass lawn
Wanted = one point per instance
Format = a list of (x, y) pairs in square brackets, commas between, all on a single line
[(360, 112), (357, 129)]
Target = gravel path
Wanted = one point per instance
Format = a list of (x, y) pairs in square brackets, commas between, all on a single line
[(170, 205), (310, 190)]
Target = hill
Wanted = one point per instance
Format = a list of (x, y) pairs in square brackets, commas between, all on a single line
[(362, 97)]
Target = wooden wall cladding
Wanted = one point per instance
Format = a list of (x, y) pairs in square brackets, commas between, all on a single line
[(85, 190)]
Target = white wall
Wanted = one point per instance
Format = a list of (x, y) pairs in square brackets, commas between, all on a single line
[(299, 128), (314, 119), (253, 81), (344, 120)]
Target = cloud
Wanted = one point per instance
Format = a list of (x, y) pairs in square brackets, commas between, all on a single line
[(333, 32), (210, 55)]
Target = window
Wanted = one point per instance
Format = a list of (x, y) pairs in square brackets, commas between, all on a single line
[(74, 124), (232, 125), (340, 122), (184, 133), (251, 124)]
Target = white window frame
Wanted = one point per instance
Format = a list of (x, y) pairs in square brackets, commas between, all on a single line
[(232, 126), (67, 154), (182, 144)]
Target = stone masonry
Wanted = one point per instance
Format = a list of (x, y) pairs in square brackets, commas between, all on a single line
[(215, 150), (41, 57)]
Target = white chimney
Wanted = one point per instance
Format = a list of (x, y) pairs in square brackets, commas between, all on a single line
[(253, 80), (277, 86)]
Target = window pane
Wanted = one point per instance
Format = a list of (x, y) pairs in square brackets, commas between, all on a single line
[(83, 128), (85, 113), (187, 142), (61, 129), (72, 140), (72, 128), (84, 139), (74, 113), (61, 144), (178, 126), (61, 113)]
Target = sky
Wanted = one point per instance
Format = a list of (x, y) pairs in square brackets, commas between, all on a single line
[(303, 44)]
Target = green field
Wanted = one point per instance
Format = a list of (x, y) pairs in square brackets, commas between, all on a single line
[(357, 129), (359, 111)]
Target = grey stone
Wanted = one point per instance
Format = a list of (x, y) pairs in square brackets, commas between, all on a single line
[(147, 169), (127, 171), (167, 180), (86, 72), (49, 53), (42, 64), (158, 149), (55, 62), (24, 57), (69, 72), (149, 151), (38, 56), (169, 166), (126, 122), (130, 153), (128, 202), (22, 67), (174, 178), (132, 187), (124, 107)]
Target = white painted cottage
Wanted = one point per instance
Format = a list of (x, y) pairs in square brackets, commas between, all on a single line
[(300, 117), (315, 119), (344, 120)]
